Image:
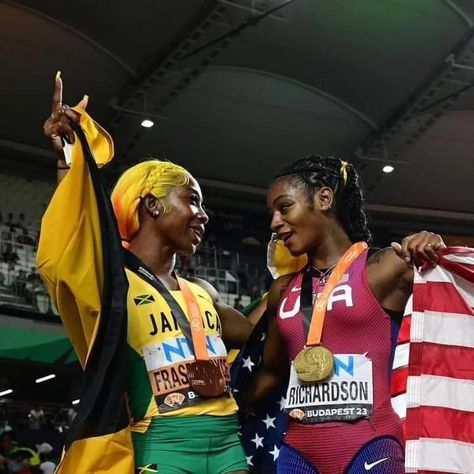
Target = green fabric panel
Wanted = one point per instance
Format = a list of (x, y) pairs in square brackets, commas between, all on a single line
[(138, 384), (34, 345), (250, 307), (188, 440)]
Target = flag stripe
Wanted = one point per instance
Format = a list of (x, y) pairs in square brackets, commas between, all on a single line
[(439, 455), (429, 390), (400, 358), (445, 423), (399, 381), (438, 360), (399, 404), (404, 334), (443, 328), (443, 297)]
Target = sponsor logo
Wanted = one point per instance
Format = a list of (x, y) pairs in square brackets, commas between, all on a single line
[(143, 299), (196, 325), (297, 414), (175, 398), (369, 466)]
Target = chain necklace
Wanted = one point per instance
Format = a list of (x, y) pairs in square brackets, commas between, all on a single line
[(322, 275)]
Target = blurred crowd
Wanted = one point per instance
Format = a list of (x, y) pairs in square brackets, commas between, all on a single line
[(31, 438)]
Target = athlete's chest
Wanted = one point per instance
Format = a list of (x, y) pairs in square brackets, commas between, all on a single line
[(151, 320)]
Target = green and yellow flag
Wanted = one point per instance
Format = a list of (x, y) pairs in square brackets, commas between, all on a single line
[(80, 259)]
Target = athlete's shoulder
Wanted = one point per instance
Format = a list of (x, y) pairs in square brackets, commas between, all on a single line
[(203, 287)]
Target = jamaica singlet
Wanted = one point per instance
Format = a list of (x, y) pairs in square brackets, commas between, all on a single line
[(158, 353)]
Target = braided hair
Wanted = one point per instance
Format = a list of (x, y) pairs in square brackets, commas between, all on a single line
[(153, 177), (315, 172)]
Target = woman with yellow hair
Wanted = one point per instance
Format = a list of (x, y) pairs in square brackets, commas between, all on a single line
[(182, 413)]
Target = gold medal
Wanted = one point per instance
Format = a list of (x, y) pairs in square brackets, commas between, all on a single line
[(314, 364)]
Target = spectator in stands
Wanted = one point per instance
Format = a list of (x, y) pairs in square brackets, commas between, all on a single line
[(47, 465), (10, 256), (10, 222), (19, 284), (21, 221), (36, 417), (71, 414), (3, 465), (25, 238), (7, 442), (20, 463)]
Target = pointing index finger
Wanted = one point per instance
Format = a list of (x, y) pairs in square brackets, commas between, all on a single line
[(58, 94)]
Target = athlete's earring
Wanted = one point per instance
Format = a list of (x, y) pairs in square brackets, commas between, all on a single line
[(156, 213)]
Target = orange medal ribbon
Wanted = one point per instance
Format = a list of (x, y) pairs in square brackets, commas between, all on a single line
[(319, 308), (195, 321), (206, 378), (315, 363)]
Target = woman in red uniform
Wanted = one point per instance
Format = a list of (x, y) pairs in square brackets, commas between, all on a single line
[(338, 319)]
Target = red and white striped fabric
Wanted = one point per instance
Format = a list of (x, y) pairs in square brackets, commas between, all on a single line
[(433, 377)]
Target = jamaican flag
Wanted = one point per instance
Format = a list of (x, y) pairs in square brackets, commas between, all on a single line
[(81, 263)]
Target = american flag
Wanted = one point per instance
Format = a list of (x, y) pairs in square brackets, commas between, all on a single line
[(262, 431), (433, 379)]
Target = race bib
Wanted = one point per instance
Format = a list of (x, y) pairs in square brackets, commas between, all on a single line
[(167, 365), (346, 396)]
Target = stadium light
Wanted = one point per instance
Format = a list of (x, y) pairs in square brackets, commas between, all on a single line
[(147, 123), (46, 377)]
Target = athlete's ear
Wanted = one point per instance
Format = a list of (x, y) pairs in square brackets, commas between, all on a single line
[(151, 205), (324, 199)]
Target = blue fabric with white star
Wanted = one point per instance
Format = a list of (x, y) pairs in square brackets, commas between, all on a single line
[(261, 432)]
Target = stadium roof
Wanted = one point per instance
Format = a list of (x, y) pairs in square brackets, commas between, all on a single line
[(238, 88)]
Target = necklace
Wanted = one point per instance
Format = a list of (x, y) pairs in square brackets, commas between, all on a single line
[(322, 274)]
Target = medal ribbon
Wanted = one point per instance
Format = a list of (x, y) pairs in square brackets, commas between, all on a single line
[(193, 330), (319, 307), (195, 321)]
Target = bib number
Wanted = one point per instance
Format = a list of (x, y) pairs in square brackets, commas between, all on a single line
[(168, 363), (346, 396)]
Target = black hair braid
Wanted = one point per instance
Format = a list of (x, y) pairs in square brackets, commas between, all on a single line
[(316, 171), (350, 211)]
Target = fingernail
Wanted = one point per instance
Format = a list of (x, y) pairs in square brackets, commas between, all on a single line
[(58, 75), (86, 97)]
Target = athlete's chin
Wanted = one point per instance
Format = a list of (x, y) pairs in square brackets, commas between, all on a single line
[(296, 250), (189, 250)]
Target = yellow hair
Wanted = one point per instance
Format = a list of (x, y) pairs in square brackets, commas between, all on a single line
[(153, 177)]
